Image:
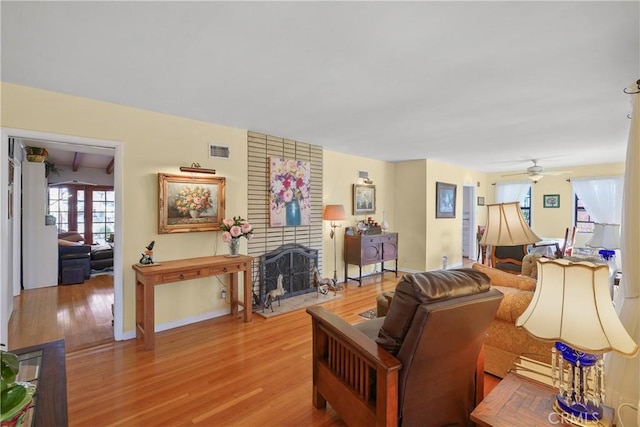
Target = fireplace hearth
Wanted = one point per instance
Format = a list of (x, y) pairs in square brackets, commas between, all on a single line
[(294, 262)]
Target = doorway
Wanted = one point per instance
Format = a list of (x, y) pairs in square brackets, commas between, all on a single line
[(469, 222), (77, 145)]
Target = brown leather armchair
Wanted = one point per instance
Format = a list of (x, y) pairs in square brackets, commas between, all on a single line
[(420, 365)]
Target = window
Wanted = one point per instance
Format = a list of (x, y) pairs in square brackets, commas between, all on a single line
[(88, 210), (525, 207), (102, 215), (583, 223), (516, 191), (59, 207)]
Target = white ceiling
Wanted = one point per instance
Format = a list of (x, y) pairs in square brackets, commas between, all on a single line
[(484, 85)]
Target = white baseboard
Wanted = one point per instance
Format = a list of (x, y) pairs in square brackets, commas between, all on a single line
[(181, 322)]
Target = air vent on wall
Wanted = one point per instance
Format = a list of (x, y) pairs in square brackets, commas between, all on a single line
[(363, 174), (218, 151)]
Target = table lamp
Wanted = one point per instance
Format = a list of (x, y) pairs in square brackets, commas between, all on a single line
[(334, 213), (506, 226), (572, 306), (607, 237)]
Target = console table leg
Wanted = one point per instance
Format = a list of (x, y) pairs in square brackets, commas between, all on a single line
[(248, 295), (139, 310), (149, 318), (233, 293)]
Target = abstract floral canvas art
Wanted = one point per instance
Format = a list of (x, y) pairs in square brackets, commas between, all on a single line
[(289, 201)]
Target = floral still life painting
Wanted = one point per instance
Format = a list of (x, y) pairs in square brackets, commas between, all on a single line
[(189, 203), (290, 202)]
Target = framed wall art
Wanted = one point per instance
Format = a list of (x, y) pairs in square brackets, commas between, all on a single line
[(364, 199), (480, 201), (551, 201), (445, 200), (289, 195), (190, 203)]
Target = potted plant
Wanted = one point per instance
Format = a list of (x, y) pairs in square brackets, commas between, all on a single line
[(15, 397), (36, 154), (50, 167)]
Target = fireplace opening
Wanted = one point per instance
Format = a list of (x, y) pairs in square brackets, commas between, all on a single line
[(294, 262)]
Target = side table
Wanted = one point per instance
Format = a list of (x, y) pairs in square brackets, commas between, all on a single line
[(521, 401), (44, 366)]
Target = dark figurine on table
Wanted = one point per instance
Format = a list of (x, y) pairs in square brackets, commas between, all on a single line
[(147, 256)]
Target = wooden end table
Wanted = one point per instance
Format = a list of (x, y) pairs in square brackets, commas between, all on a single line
[(521, 401)]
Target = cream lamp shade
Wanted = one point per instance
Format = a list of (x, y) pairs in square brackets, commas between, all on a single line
[(605, 236), (572, 304), (333, 213), (506, 226)]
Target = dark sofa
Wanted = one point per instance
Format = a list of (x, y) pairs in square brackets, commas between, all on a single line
[(101, 257)]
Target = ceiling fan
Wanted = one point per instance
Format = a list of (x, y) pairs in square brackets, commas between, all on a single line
[(535, 173)]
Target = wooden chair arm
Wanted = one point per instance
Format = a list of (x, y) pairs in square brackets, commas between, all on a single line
[(354, 337), (352, 372)]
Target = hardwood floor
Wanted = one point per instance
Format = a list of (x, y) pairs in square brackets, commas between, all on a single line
[(221, 372), (81, 314)]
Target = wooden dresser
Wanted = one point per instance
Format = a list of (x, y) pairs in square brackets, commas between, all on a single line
[(366, 249)]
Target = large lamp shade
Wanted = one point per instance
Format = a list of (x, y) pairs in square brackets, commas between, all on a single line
[(572, 304), (506, 226)]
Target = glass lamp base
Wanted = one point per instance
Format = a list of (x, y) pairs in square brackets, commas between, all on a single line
[(580, 379)]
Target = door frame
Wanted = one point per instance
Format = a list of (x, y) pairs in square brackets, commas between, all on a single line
[(15, 246), (469, 201)]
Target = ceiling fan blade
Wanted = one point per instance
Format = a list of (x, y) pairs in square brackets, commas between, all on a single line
[(516, 174), (555, 172)]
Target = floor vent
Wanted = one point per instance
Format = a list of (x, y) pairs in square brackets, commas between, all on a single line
[(218, 151)]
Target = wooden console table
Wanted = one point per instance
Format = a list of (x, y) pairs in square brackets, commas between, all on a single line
[(148, 277)]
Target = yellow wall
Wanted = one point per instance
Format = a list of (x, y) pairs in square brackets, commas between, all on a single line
[(552, 222), (340, 173), (410, 213), (153, 143), (444, 235), (156, 143)]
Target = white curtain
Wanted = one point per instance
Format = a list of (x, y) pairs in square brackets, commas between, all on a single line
[(511, 191), (622, 376), (602, 197)]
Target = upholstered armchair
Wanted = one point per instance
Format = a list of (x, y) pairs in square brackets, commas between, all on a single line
[(419, 365), (508, 258)]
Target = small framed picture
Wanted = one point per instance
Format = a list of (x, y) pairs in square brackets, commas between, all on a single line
[(364, 199), (445, 200), (480, 201), (551, 201)]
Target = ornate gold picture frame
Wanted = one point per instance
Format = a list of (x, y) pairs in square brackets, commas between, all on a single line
[(190, 203)]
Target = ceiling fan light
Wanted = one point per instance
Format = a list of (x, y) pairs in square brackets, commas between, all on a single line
[(535, 177)]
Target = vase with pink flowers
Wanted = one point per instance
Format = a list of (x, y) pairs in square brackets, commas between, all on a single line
[(233, 229)]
